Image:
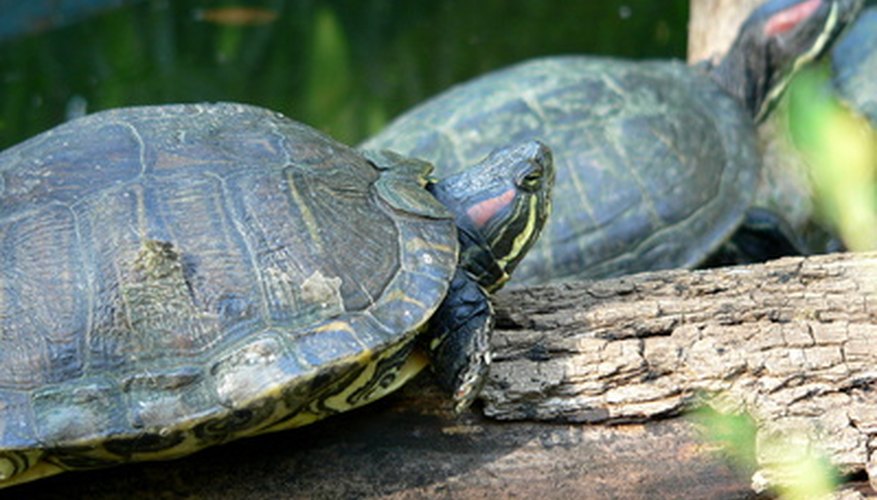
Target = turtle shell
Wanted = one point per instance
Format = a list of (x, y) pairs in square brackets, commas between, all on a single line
[(656, 164), (178, 276), (854, 61)]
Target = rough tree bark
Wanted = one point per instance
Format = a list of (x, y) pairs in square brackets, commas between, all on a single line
[(792, 342), (590, 380)]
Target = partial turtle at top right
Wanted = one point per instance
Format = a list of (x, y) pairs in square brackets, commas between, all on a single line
[(854, 61), (657, 162)]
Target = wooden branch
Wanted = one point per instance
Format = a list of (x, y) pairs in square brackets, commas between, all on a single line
[(793, 342), (598, 371)]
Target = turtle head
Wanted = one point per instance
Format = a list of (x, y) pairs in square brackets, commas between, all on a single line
[(775, 41), (501, 205)]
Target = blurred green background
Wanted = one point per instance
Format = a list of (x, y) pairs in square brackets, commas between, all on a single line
[(344, 66)]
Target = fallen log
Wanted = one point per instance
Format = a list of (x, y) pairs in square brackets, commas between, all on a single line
[(793, 342), (589, 382)]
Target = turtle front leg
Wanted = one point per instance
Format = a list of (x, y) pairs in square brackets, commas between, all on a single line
[(459, 340)]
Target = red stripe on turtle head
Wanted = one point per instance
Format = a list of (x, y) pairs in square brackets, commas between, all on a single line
[(481, 212), (788, 19)]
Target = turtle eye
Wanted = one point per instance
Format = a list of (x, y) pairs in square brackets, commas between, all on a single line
[(532, 181)]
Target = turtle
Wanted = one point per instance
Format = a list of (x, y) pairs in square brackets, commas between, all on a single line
[(854, 65), (657, 161), (179, 276)]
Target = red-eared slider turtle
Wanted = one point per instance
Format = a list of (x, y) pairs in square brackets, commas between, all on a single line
[(179, 276), (657, 161), (854, 61)]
